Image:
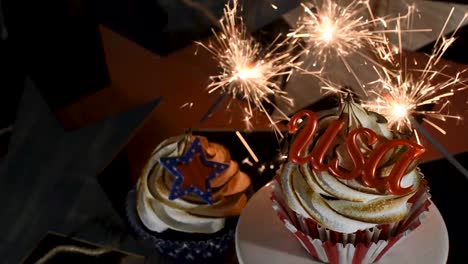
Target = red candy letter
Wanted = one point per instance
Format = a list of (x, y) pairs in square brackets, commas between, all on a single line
[(304, 138), (323, 144), (392, 182), (354, 153), (365, 167)]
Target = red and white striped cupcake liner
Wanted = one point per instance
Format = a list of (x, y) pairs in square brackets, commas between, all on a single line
[(363, 246)]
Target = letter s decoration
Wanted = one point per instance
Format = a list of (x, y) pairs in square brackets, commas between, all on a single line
[(354, 153), (323, 144)]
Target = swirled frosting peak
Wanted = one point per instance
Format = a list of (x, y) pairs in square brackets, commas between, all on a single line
[(189, 213), (348, 205)]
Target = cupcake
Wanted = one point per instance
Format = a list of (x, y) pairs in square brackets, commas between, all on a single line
[(187, 199), (350, 188)]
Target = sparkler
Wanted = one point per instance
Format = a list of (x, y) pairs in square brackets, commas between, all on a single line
[(332, 29), (335, 30), (405, 94), (250, 72)]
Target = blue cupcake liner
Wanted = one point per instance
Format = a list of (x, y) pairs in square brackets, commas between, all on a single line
[(182, 250)]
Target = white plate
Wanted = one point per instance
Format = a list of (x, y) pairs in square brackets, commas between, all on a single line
[(262, 238)]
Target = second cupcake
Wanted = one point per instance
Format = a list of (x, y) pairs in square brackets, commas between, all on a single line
[(188, 198)]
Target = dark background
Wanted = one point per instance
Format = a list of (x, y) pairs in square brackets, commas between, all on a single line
[(56, 44)]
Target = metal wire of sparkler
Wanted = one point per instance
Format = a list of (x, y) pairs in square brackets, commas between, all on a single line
[(248, 71), (451, 159), (201, 8), (402, 94)]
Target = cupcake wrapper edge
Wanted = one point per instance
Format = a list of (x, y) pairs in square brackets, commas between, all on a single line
[(183, 250), (364, 246)]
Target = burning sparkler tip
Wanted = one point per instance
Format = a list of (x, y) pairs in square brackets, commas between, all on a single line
[(249, 71)]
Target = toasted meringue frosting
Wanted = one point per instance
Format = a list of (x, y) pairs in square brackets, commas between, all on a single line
[(347, 205), (189, 213)]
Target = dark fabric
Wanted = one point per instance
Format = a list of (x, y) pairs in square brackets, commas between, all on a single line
[(141, 21), (53, 240), (11, 84), (48, 179), (58, 44)]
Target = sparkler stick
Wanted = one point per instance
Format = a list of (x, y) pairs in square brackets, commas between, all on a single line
[(441, 149), (212, 108), (198, 6)]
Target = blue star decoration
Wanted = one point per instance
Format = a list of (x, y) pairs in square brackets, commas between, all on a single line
[(192, 173)]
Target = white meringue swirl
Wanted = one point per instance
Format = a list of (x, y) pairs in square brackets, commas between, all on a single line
[(189, 214), (346, 205)]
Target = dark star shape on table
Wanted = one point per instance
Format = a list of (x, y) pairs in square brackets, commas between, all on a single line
[(192, 173)]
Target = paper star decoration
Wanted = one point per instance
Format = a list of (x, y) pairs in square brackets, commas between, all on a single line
[(192, 173)]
